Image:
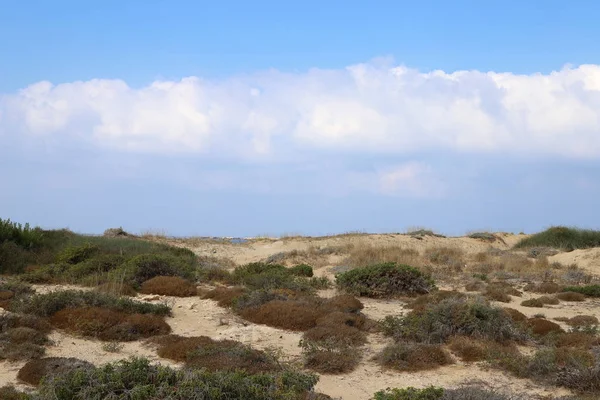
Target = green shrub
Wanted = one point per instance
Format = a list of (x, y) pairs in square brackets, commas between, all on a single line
[(22, 235), (588, 290), (302, 270), (45, 305), (562, 237), (136, 378), (77, 254), (410, 393), (330, 356), (455, 317), (262, 276), (14, 258), (147, 266), (385, 280)]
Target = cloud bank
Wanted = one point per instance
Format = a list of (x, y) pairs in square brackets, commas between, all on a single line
[(368, 109)]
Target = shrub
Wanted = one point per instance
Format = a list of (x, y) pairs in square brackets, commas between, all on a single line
[(435, 297), (22, 337), (225, 297), (358, 321), (467, 349), (477, 393), (345, 303), (575, 339), (580, 378), (292, 315), (10, 393), (497, 295), (571, 296), (582, 320), (77, 254), (169, 286), (340, 333), (106, 324), (540, 301), (544, 287), (45, 305), (223, 355), (457, 317), (385, 280), (34, 371), (407, 356), (485, 236), (22, 235), (319, 282), (515, 315), (588, 290), (542, 327), (261, 276), (475, 286), (330, 356), (410, 393), (302, 270), (562, 238), (137, 378), (116, 289), (147, 266)]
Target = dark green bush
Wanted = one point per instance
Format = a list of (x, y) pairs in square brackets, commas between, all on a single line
[(562, 237), (588, 290), (147, 266), (262, 276), (136, 378), (302, 270), (77, 254), (385, 280), (454, 317), (45, 305), (22, 235), (14, 258)]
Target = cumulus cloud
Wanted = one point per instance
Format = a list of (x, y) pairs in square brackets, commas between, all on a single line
[(367, 108)]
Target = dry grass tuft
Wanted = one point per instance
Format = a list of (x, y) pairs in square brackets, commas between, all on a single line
[(224, 296), (35, 370), (540, 301), (571, 296), (515, 315), (424, 301), (330, 356), (109, 325), (116, 289), (544, 287), (169, 286), (340, 333), (214, 355), (413, 357), (364, 254), (468, 349)]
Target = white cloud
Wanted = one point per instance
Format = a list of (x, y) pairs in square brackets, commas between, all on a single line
[(412, 179), (366, 108)]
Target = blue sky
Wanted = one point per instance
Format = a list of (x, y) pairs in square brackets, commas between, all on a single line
[(244, 118)]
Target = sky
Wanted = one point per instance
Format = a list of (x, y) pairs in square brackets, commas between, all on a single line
[(237, 118)]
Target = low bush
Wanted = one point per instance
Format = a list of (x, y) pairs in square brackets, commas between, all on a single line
[(457, 317), (561, 237), (116, 289), (543, 288), (109, 325), (385, 280), (22, 337), (435, 297), (137, 378), (292, 315), (345, 303), (336, 332), (169, 286), (224, 296), (10, 393), (147, 266), (52, 367), (222, 355), (407, 356), (515, 315), (45, 305), (77, 254), (410, 393), (354, 320), (588, 290), (330, 356), (468, 349), (580, 320), (571, 296), (542, 327), (302, 270), (583, 379), (540, 301), (262, 276), (22, 235), (575, 339)]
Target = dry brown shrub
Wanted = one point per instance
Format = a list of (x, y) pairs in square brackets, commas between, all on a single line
[(169, 286), (577, 339), (35, 370), (224, 296), (450, 257), (582, 320), (474, 286), (544, 287), (364, 254), (358, 321), (222, 355), (6, 295), (571, 296), (542, 327), (549, 300), (515, 315), (467, 349), (330, 357), (413, 356), (424, 301), (23, 334), (345, 303), (5, 304), (8, 392), (537, 303), (497, 295), (293, 315), (106, 324), (116, 288), (336, 332)]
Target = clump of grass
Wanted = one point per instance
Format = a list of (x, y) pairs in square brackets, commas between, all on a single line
[(109, 325), (296, 315), (147, 266), (364, 254), (588, 290), (169, 286), (302, 270), (137, 375), (215, 355), (408, 356), (542, 327), (515, 315), (45, 305), (116, 289), (544, 288), (385, 280), (112, 347), (579, 320), (485, 236), (22, 337), (455, 317), (435, 297), (562, 237), (262, 276), (540, 302), (9, 392), (410, 393), (451, 257), (52, 367), (467, 349), (224, 296)]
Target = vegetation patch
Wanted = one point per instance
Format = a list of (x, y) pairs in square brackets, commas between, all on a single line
[(540, 301), (542, 327), (544, 288), (51, 367), (137, 378), (562, 237), (22, 337), (385, 280), (330, 356), (588, 290), (571, 296), (408, 356), (169, 286)]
